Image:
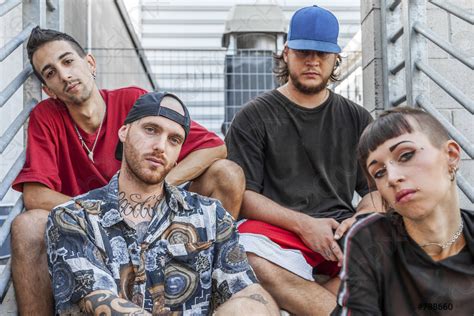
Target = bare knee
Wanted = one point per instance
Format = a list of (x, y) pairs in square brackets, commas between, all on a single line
[(27, 231), (227, 176), (264, 270)]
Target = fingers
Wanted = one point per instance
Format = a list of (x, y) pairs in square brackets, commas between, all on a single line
[(343, 227), (336, 250)]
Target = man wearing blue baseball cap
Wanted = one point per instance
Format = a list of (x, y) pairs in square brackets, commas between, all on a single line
[(297, 147), (139, 246)]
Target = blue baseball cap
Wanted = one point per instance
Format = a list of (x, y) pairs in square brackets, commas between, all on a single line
[(314, 28)]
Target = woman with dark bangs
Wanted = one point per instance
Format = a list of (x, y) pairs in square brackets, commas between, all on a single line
[(418, 258)]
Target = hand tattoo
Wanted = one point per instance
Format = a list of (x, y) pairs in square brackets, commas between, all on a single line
[(137, 208)]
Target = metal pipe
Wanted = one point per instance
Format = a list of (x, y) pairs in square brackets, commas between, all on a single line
[(455, 10), (395, 36), (399, 100), (11, 130), (5, 230), (5, 278), (455, 134), (7, 6), (397, 67), (9, 47), (445, 45), (446, 86), (394, 5), (16, 83), (11, 175), (465, 187), (50, 5)]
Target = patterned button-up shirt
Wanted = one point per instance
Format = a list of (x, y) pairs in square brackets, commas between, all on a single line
[(189, 262)]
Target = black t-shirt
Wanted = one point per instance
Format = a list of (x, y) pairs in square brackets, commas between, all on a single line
[(268, 137), (385, 272)]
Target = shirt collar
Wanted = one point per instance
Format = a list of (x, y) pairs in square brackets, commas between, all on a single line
[(110, 214)]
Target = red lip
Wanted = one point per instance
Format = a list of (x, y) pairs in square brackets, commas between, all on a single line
[(403, 195)]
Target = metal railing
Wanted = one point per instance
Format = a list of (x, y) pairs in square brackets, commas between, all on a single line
[(406, 70), (33, 13)]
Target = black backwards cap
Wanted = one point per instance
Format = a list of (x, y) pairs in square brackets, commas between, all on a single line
[(149, 105)]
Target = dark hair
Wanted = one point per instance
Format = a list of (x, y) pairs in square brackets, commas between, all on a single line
[(281, 72), (39, 37), (393, 123)]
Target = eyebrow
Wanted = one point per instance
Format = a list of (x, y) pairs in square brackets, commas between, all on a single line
[(391, 148), (59, 58)]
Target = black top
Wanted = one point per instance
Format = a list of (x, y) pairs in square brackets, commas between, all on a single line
[(385, 272), (268, 137)]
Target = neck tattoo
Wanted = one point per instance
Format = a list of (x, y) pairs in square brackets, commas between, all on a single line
[(448, 243), (90, 152), (134, 206)]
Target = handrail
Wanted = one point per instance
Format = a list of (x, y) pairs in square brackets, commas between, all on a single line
[(9, 47), (15, 126), (455, 134), (8, 5), (455, 10), (5, 278), (446, 86), (443, 44), (11, 174), (394, 5), (5, 229), (16, 83), (465, 187)]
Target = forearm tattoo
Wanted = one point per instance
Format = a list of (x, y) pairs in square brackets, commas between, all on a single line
[(108, 304), (135, 207)]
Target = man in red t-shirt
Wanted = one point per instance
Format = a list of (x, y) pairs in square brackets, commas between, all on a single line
[(72, 138)]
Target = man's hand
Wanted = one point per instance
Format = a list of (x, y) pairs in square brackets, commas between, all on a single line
[(344, 227), (318, 235)]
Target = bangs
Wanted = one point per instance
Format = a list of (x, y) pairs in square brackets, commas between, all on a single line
[(381, 130)]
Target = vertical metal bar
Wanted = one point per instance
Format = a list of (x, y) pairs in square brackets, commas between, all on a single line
[(414, 48), (385, 53)]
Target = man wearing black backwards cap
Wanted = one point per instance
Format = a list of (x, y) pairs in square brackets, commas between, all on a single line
[(72, 137), (141, 246), (297, 146)]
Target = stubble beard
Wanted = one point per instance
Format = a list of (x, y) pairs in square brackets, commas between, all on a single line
[(139, 172), (306, 89)]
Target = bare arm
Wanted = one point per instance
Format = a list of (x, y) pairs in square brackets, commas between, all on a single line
[(38, 196), (106, 303), (253, 300), (194, 164)]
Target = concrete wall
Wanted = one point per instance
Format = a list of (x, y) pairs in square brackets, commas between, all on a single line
[(118, 63), (452, 29)]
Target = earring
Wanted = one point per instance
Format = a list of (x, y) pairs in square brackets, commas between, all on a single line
[(452, 173), (93, 75)]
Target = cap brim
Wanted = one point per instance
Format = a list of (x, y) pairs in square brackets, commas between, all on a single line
[(314, 45)]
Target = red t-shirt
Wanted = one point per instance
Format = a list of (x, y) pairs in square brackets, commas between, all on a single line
[(56, 158)]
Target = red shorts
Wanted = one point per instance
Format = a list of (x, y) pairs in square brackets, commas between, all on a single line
[(253, 231)]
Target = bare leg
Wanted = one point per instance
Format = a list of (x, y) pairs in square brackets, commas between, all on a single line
[(223, 180), (291, 292), (333, 285), (29, 264)]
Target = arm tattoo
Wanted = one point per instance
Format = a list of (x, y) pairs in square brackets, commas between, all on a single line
[(137, 208), (108, 304)]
